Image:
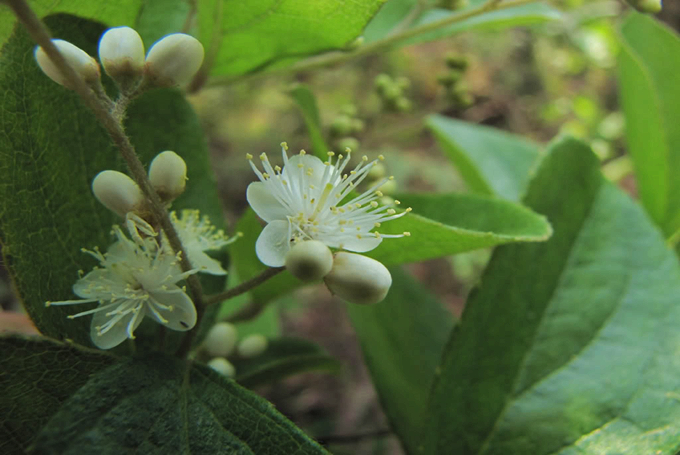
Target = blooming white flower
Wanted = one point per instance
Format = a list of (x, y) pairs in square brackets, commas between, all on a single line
[(136, 279), (198, 235), (304, 201)]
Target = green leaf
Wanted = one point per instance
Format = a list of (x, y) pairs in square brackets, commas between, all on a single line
[(568, 346), (533, 13), (122, 12), (158, 18), (258, 35), (446, 224), (284, 357), (51, 147), (402, 338), (650, 52), (390, 15), (36, 376), (157, 404), (490, 161), (304, 98)]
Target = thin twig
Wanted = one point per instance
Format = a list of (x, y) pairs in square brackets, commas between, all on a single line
[(245, 286)]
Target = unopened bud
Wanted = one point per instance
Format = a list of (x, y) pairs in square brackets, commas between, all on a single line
[(342, 125), (309, 260), (118, 192), (389, 187), (377, 171), (174, 60), (81, 62), (252, 346), (358, 279), (168, 175), (221, 339), (121, 52), (223, 367)]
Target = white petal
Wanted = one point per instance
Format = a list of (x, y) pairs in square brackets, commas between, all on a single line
[(82, 287), (116, 334), (205, 263), (361, 245), (273, 243), (310, 162), (264, 203), (183, 314)]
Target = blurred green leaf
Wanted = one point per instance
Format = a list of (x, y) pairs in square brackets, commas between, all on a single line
[(36, 376), (402, 338), (51, 147), (490, 161), (446, 224), (158, 404), (648, 61), (258, 35), (570, 346), (158, 18), (304, 98), (122, 12), (284, 357), (390, 15)]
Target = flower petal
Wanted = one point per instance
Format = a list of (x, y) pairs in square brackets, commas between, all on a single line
[(361, 245), (84, 287), (205, 263), (181, 317), (264, 203), (116, 334), (309, 162), (273, 243)]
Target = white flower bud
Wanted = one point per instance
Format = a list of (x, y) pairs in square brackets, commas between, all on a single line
[(309, 260), (80, 61), (221, 340), (174, 60), (358, 279), (118, 192), (121, 52), (168, 175), (223, 367), (252, 346)]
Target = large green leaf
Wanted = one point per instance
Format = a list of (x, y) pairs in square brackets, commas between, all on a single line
[(36, 376), (122, 12), (391, 15), (490, 161), (51, 147), (158, 18), (650, 52), (283, 357), (570, 346), (402, 338), (158, 404), (256, 35)]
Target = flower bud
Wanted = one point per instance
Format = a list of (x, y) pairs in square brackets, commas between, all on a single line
[(168, 175), (220, 340), (223, 367), (358, 279), (377, 171), (309, 260), (252, 346), (646, 6), (118, 192), (121, 52), (80, 61), (174, 60)]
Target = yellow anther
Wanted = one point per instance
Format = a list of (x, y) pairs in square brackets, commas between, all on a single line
[(377, 225), (277, 168), (342, 229), (340, 157), (302, 152), (364, 158), (265, 175), (408, 209), (239, 234), (357, 205), (359, 236), (391, 211), (348, 150), (330, 153), (377, 234), (300, 165), (249, 156), (284, 145), (396, 202), (263, 157), (284, 182), (381, 157), (379, 193), (374, 204), (407, 234), (391, 177), (358, 228)]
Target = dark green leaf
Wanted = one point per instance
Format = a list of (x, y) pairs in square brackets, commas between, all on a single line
[(36, 376), (490, 161), (402, 338), (284, 357), (304, 97), (446, 224), (569, 346), (650, 52), (158, 18), (158, 405), (51, 148), (257, 35)]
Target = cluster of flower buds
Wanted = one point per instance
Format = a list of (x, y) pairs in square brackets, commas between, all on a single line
[(392, 92), (646, 6), (222, 343), (171, 61), (346, 127), (452, 81)]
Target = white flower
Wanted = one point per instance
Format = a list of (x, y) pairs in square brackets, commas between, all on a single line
[(304, 201), (198, 235), (135, 280)]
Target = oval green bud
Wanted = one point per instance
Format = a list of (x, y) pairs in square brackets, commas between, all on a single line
[(221, 339), (223, 367), (358, 279), (252, 346), (117, 192), (168, 175), (309, 260), (78, 59), (121, 52), (174, 60)]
